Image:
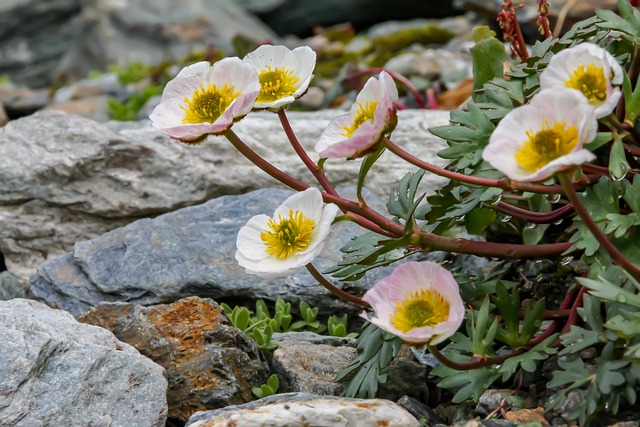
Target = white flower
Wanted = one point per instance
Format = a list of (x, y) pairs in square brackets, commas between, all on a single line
[(418, 302), (591, 70), (534, 141), (371, 117), (292, 238), (204, 99), (284, 74)]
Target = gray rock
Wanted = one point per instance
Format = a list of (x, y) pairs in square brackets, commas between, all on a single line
[(492, 399), (185, 253), (58, 372), (308, 362), (300, 16), (63, 40), (11, 287), (298, 409), (67, 179), (420, 410)]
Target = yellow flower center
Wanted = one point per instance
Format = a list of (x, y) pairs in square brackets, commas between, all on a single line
[(589, 80), (546, 145), (363, 113), (208, 103), (288, 235), (276, 84), (420, 309)]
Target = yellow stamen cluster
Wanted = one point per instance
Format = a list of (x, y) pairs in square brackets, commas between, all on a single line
[(546, 145), (276, 84), (288, 235), (420, 309), (208, 103), (589, 80), (363, 113)]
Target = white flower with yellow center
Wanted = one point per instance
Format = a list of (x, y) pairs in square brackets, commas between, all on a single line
[(418, 302), (204, 99), (589, 69), (292, 238), (371, 117), (284, 74), (534, 141)]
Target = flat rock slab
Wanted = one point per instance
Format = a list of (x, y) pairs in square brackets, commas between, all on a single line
[(66, 178), (185, 253), (210, 364), (307, 410), (58, 372)]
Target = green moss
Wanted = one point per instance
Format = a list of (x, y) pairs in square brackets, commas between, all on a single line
[(388, 46)]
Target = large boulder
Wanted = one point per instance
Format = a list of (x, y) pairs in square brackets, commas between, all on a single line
[(209, 363), (66, 178), (185, 253), (43, 41), (58, 372)]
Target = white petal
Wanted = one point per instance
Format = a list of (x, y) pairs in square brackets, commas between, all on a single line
[(309, 202)]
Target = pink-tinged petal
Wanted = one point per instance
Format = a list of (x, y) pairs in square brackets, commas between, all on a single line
[(389, 86)]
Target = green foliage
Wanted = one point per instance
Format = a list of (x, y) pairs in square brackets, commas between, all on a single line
[(128, 110), (337, 327), (375, 351), (268, 389), (131, 73)]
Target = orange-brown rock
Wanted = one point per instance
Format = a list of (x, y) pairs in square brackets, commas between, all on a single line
[(522, 416), (209, 363)]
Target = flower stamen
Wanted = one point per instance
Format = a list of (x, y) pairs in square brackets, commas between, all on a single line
[(207, 104), (420, 309), (288, 235), (546, 145), (276, 84), (364, 113), (589, 80)]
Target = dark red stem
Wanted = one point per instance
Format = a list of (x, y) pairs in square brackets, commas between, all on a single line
[(534, 217)]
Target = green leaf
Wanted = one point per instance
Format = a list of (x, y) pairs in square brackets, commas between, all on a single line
[(618, 164), (470, 384), (488, 54), (478, 220), (601, 139), (368, 161), (528, 361)]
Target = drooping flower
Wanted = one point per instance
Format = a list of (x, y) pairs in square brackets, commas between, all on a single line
[(419, 302), (534, 141), (589, 69), (284, 74), (206, 99), (292, 238), (371, 117)]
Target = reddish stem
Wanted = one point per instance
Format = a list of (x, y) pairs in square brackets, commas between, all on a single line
[(534, 217), (485, 182), (334, 289), (601, 237), (475, 363)]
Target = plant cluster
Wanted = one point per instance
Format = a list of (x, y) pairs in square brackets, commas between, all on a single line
[(543, 165)]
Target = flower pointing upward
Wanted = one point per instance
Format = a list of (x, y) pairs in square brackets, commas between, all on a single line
[(284, 74), (206, 99)]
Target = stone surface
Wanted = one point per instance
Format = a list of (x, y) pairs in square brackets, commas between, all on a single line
[(63, 40), (307, 362), (58, 372), (300, 16), (308, 410), (67, 179), (11, 287), (209, 363), (185, 253), (523, 416), (492, 399)]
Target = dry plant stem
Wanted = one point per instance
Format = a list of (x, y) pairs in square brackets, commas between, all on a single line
[(562, 16), (334, 289), (311, 165), (397, 77), (475, 363), (485, 182), (533, 217), (605, 243), (374, 221)]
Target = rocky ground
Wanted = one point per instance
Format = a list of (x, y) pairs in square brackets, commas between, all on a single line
[(117, 243)]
